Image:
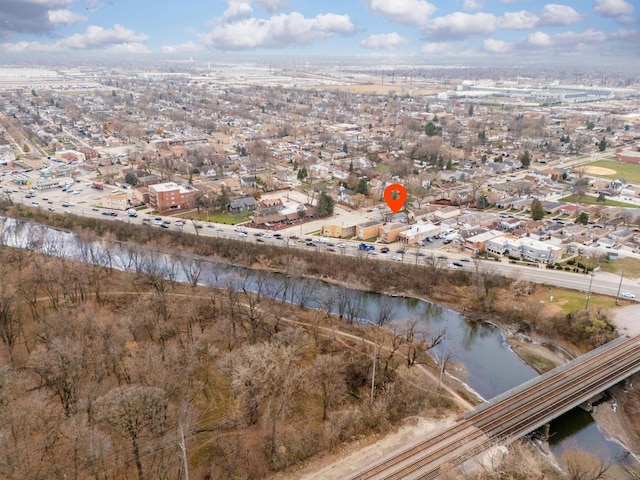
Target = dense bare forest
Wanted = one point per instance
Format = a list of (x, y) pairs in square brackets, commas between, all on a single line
[(108, 374)]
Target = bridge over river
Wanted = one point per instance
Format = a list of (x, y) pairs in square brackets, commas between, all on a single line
[(513, 414)]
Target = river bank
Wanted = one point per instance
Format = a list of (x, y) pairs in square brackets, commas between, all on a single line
[(455, 292)]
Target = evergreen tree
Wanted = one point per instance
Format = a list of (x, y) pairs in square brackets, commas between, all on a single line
[(325, 205), (450, 164), (525, 159), (431, 130), (302, 173), (583, 218), (601, 198), (537, 210), (602, 145), (363, 187), (482, 202), (223, 199)]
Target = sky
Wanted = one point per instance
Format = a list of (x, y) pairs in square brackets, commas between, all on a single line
[(477, 29)]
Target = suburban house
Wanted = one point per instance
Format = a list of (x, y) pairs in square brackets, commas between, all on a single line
[(245, 204), (269, 207)]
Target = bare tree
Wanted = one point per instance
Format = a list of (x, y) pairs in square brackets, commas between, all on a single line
[(385, 310), (9, 324), (328, 373), (581, 465), (268, 374), (132, 411), (61, 368)]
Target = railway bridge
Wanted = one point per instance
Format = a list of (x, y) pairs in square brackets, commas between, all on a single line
[(512, 414)]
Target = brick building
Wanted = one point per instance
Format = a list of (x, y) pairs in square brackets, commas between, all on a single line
[(170, 196)]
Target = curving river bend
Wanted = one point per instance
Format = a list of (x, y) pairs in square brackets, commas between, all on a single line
[(491, 366)]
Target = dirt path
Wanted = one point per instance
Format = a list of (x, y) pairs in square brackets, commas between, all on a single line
[(627, 320)]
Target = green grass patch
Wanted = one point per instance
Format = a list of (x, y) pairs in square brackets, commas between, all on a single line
[(629, 171), (219, 217), (573, 301), (589, 200), (383, 168), (629, 267)]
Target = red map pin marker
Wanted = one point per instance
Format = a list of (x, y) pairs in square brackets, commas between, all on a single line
[(395, 195)]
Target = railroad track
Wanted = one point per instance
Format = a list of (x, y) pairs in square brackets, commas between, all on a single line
[(508, 417)]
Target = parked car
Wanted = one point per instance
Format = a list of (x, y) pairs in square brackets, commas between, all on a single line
[(628, 295), (397, 258), (384, 250)]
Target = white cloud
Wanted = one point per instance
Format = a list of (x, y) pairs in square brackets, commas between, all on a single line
[(564, 42), (387, 41), (537, 40), (187, 47), (444, 48), (96, 37), (49, 3), (589, 36), (272, 5), (497, 46), (461, 25), (278, 31), (128, 48), (407, 12), (558, 15), (472, 5), (522, 20), (117, 38), (65, 17), (626, 34), (237, 11), (613, 8)]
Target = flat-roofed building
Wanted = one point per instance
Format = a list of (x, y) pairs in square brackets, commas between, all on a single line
[(389, 232), (170, 196), (115, 201), (338, 231), (368, 229)]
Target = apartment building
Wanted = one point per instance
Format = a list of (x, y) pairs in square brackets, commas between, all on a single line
[(170, 196)]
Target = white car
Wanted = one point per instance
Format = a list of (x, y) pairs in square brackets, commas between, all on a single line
[(628, 295), (452, 266), (397, 258), (242, 234)]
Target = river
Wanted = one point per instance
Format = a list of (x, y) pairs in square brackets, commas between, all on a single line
[(490, 366)]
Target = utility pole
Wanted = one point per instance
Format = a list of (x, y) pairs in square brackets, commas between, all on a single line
[(619, 285), (373, 376), (592, 274), (183, 450)]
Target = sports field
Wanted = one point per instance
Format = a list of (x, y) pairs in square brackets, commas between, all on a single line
[(612, 169)]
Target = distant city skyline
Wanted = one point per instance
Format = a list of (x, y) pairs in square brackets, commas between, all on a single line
[(458, 29)]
